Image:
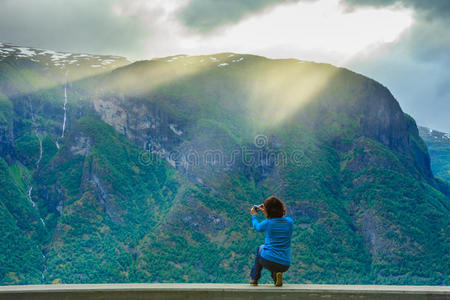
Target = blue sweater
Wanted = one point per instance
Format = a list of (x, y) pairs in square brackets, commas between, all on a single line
[(277, 247)]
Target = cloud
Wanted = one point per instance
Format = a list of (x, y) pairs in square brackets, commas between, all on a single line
[(432, 8), (75, 26), (319, 31), (206, 15), (416, 67)]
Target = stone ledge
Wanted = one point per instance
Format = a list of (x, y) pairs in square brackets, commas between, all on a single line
[(223, 291)]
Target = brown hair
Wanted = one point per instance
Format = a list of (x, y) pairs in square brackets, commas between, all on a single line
[(274, 207)]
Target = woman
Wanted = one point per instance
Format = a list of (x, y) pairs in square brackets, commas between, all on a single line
[(275, 254)]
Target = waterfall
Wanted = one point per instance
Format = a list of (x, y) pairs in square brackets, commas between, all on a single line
[(65, 110), (64, 107), (36, 133), (44, 269), (30, 189), (29, 196), (31, 110), (40, 150)]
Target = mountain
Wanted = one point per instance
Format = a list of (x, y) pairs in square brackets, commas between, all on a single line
[(146, 172), (78, 65), (438, 144)]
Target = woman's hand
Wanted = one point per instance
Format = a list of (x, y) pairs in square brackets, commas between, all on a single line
[(253, 212)]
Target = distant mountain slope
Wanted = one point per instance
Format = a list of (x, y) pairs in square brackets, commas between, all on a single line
[(71, 65), (438, 144), (147, 172)]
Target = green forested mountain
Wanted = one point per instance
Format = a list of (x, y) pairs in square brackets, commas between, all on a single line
[(438, 144), (146, 172)]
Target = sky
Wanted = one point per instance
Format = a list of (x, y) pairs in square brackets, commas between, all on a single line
[(403, 44)]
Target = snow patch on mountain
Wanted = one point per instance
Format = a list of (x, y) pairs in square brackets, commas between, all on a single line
[(58, 59), (175, 130), (26, 52), (107, 61), (434, 134)]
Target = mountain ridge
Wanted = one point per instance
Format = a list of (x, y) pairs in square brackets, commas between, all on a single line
[(439, 144), (162, 160)]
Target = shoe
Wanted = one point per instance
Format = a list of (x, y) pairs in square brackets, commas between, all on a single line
[(254, 282), (279, 279)]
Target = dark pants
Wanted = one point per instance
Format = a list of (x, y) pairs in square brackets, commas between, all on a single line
[(260, 262)]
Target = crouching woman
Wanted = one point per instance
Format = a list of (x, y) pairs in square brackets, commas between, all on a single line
[(275, 254)]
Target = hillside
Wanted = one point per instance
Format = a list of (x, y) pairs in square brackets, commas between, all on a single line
[(147, 172), (438, 144)]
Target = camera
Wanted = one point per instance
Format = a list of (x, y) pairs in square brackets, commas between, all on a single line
[(258, 207)]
